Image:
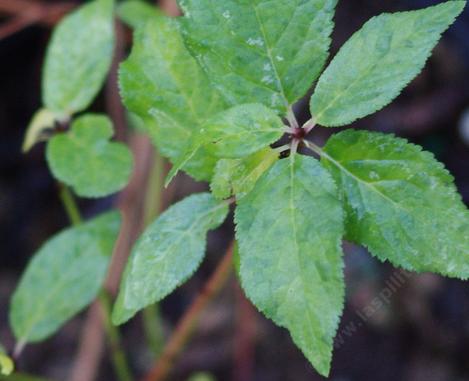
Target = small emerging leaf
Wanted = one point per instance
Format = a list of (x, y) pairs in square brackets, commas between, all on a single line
[(168, 252), (85, 159), (241, 131), (238, 176), (136, 13), (378, 61), (63, 277), (401, 203), (43, 120), (260, 51), (289, 229), (7, 366)]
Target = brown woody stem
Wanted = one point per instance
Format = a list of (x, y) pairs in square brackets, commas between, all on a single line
[(188, 322)]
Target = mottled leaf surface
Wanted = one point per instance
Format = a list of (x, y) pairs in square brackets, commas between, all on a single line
[(289, 229), (78, 58), (260, 50), (85, 159), (238, 176), (163, 84), (168, 252), (63, 277), (242, 130), (378, 61), (401, 203)]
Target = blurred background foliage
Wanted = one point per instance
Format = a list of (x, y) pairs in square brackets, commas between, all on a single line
[(412, 330)]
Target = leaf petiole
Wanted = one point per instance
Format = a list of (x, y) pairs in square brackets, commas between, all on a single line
[(309, 125)]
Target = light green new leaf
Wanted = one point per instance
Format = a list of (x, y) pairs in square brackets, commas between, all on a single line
[(401, 203), (168, 252), (85, 159), (42, 121), (241, 131), (78, 58), (63, 277), (238, 176), (260, 51), (377, 62), (7, 366), (163, 84), (289, 229), (136, 13)]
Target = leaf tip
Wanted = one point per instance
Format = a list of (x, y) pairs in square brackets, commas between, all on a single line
[(7, 365), (120, 314)]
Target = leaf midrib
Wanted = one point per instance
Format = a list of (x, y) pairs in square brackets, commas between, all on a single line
[(295, 235), (268, 50)]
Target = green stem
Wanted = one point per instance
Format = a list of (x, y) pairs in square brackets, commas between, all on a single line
[(153, 328), (118, 356), (154, 192), (70, 205), (152, 322), (21, 377)]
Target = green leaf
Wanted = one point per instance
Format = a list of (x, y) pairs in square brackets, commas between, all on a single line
[(136, 13), (78, 58), (85, 159), (289, 230), (260, 51), (236, 132), (401, 203), (7, 366), (195, 146), (238, 176), (63, 277), (168, 253), (242, 130), (377, 62), (164, 85), (43, 120)]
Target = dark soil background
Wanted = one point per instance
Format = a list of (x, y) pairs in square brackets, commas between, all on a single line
[(395, 326)]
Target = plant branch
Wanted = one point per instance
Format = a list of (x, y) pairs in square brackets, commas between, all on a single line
[(153, 205), (129, 202), (118, 356), (245, 338), (188, 322)]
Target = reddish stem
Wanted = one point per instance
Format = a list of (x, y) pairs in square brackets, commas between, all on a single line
[(188, 322)]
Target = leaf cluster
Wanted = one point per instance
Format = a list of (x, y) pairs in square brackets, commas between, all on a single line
[(252, 61), (215, 90)]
